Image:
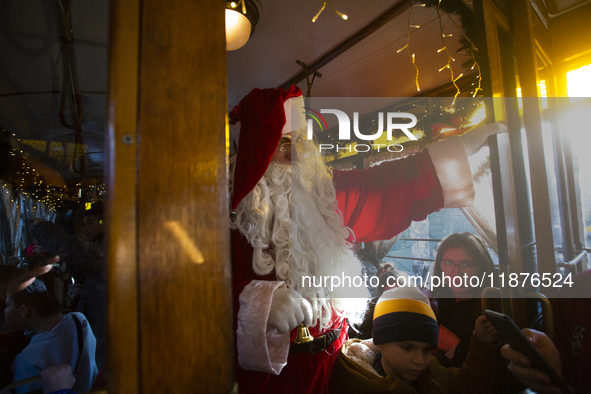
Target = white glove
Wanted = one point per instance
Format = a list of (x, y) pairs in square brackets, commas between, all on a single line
[(288, 310), (475, 138)]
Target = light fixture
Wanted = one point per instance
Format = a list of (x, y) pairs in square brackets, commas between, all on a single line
[(241, 19)]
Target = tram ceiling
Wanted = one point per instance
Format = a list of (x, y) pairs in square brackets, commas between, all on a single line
[(353, 62), (53, 65)]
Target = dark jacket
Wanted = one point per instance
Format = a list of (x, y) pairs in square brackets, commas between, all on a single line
[(459, 317), (354, 373)]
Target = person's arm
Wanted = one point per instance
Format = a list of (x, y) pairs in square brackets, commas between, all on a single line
[(521, 368), (382, 201)]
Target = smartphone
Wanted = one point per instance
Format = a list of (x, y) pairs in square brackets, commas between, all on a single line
[(512, 335)]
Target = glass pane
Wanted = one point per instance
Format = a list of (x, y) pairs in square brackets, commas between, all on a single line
[(548, 138), (575, 123), (53, 82)]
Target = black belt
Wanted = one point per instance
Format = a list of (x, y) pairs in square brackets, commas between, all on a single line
[(318, 344)]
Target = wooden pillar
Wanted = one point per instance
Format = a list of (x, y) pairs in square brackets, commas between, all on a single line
[(169, 302)]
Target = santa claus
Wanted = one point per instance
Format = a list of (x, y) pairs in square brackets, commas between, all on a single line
[(292, 218)]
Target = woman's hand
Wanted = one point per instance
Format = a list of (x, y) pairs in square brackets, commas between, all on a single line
[(485, 331)]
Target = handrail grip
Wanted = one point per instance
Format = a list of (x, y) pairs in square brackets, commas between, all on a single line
[(573, 261)]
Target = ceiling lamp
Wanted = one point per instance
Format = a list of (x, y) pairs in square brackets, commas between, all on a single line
[(241, 19)]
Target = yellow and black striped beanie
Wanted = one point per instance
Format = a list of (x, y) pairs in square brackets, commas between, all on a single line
[(404, 314)]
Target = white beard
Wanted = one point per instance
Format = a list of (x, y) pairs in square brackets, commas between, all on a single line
[(292, 221)]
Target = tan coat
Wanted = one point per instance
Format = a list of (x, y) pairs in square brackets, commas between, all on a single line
[(480, 373)]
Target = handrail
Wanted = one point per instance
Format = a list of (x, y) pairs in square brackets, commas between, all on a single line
[(421, 239), (408, 258), (574, 261), (8, 388), (572, 264), (547, 313)]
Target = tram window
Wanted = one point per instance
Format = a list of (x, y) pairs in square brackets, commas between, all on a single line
[(548, 141), (580, 140), (547, 135), (415, 252)]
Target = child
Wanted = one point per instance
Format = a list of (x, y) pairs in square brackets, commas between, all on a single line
[(399, 360), (55, 338)]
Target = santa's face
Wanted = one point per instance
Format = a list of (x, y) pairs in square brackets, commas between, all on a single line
[(283, 153)]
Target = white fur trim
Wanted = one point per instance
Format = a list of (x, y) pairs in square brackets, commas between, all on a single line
[(453, 170), (235, 132), (260, 349), (294, 114)]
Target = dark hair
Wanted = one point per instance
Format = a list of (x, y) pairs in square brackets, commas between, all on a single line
[(472, 244), (45, 303), (96, 209), (384, 273), (8, 273)]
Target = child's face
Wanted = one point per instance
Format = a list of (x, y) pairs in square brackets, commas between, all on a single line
[(13, 315), (409, 358)]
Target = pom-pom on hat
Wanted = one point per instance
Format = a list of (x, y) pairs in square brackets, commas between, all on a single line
[(404, 314), (264, 115)]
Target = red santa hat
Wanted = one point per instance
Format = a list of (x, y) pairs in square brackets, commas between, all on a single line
[(263, 116)]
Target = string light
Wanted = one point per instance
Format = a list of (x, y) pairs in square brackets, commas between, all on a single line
[(319, 12), (407, 47), (449, 58), (340, 14), (473, 49)]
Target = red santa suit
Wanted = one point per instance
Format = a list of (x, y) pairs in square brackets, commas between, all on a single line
[(377, 203)]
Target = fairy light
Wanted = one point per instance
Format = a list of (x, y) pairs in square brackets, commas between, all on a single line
[(407, 47), (473, 49), (340, 14), (449, 58), (319, 12)]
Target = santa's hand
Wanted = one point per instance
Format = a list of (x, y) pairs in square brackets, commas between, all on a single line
[(473, 140), (288, 310), (57, 377)]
